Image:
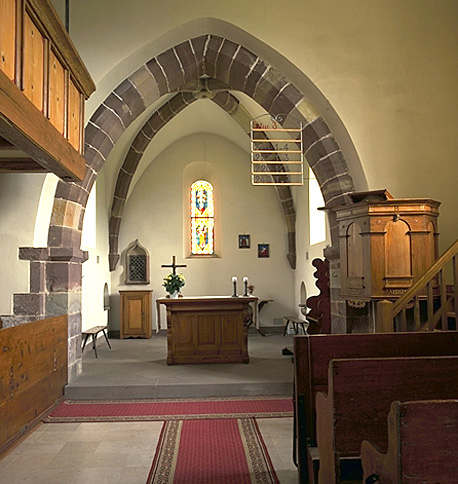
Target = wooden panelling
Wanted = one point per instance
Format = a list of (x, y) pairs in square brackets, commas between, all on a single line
[(398, 271), (38, 57), (33, 372), (57, 104), (59, 38), (360, 393), (8, 37), (386, 244), (26, 165), (312, 355), (24, 126), (135, 314), (422, 444), (207, 329), (74, 116), (33, 62)]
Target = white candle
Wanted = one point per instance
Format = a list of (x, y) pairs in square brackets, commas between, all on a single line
[(234, 279), (245, 280)]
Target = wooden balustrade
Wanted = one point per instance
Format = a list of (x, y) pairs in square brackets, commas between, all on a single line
[(43, 86), (430, 295)]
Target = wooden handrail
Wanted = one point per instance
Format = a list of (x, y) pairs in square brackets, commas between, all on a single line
[(432, 272)]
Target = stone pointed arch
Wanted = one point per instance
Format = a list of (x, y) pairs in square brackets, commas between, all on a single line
[(158, 119), (169, 72), (55, 275)]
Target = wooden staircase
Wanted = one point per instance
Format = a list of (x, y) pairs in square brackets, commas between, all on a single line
[(430, 304)]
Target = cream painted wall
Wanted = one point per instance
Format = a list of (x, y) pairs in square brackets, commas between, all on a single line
[(154, 215), (19, 201), (40, 238), (384, 67), (95, 269), (305, 252)]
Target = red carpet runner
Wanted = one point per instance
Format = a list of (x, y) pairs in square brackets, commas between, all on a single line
[(122, 410), (226, 451)]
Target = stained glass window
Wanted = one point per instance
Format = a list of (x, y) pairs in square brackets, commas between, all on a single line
[(202, 218)]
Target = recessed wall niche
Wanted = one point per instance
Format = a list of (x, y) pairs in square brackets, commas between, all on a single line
[(137, 264)]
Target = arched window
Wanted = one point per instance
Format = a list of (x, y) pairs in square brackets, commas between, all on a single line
[(202, 218), (317, 218)]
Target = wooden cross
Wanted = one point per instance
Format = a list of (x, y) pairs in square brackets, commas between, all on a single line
[(173, 265)]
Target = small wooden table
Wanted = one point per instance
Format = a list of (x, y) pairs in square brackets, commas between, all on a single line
[(94, 332)]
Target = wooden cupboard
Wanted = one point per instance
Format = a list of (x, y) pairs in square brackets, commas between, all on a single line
[(135, 314)]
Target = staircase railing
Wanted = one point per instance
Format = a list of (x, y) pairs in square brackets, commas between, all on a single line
[(429, 304)]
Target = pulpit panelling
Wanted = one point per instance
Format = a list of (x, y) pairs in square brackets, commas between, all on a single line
[(386, 244)]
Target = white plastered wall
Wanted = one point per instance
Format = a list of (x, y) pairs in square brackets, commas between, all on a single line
[(95, 269), (20, 196), (154, 214), (383, 67), (305, 252)]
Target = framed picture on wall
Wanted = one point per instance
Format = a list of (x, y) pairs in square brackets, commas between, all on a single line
[(263, 250), (244, 241)]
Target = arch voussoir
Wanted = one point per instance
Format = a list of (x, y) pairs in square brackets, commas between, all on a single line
[(171, 71)]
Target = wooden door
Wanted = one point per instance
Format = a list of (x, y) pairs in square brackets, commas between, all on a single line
[(135, 314)]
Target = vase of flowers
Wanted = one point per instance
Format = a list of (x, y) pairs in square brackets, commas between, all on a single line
[(173, 284)]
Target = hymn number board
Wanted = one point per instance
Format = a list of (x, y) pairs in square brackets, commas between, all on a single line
[(276, 151)]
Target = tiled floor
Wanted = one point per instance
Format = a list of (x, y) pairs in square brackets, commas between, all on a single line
[(114, 453), (122, 453)]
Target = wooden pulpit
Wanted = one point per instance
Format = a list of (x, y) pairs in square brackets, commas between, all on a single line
[(386, 244)]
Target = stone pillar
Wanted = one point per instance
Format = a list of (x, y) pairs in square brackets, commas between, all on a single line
[(55, 289), (338, 305)]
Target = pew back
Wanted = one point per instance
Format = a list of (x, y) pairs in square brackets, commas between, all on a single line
[(313, 353), (360, 393), (422, 444)]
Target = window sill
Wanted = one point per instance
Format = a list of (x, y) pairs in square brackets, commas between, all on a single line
[(203, 256)]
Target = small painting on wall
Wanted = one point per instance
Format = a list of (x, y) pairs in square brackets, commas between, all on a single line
[(244, 241), (263, 250)]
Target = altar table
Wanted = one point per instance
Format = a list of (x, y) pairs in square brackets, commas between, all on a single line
[(210, 329)]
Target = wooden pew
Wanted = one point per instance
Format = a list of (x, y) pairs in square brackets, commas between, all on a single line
[(360, 393), (312, 354), (422, 445)]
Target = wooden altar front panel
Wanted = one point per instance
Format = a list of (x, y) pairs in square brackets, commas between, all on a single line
[(207, 329)]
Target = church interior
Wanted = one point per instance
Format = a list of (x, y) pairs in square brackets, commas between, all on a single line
[(230, 200)]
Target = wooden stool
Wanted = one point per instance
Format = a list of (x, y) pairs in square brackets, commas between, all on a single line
[(296, 323), (94, 332)]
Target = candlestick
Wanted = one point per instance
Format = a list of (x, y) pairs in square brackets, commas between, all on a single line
[(234, 284), (245, 286)]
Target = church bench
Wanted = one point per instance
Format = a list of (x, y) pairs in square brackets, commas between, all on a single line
[(94, 332), (295, 323), (312, 354), (422, 445), (360, 393)]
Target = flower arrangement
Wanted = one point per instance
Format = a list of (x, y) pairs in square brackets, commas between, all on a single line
[(173, 283)]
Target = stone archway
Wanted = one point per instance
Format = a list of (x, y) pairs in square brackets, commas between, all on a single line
[(59, 285)]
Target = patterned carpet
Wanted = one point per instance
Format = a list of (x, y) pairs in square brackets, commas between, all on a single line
[(213, 451), (182, 409)]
